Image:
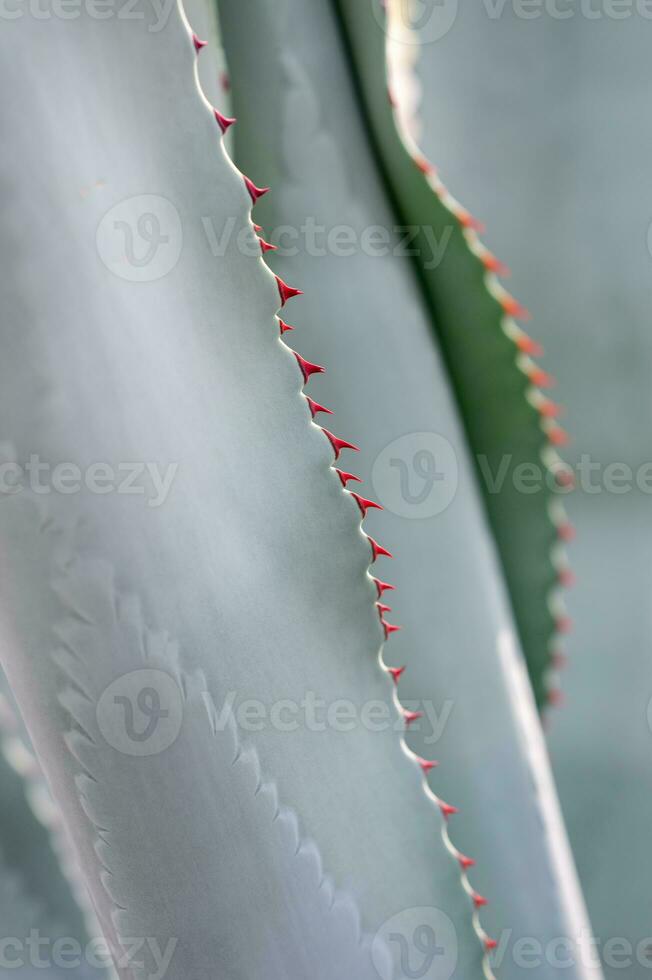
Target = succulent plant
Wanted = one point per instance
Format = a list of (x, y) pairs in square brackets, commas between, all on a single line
[(245, 774)]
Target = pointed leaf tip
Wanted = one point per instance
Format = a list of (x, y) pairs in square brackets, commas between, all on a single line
[(494, 264), (466, 862), (223, 121), (339, 444), (377, 549), (315, 407), (447, 809), (513, 308), (566, 531), (567, 578), (346, 477), (364, 504), (541, 378), (266, 246), (286, 292), (427, 764), (411, 716), (389, 628), (255, 193), (529, 346), (558, 436), (307, 367)]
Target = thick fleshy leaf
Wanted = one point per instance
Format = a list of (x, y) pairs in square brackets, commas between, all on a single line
[(506, 417), (137, 353), (300, 129)]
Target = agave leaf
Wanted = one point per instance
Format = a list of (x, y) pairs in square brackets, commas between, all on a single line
[(126, 340), (506, 417), (572, 137), (34, 894), (299, 128)]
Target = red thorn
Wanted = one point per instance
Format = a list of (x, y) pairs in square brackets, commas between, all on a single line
[(564, 624), (346, 477), (566, 531), (490, 944), (478, 900), (382, 586), (465, 862), (468, 221), (529, 346), (224, 121), (198, 43), (426, 764), (315, 407), (389, 628), (513, 308), (258, 228), (284, 327), (559, 661), (411, 716), (425, 166), (363, 503), (558, 436), (447, 809), (286, 292), (255, 193), (493, 264), (382, 607), (550, 409), (541, 378), (396, 673), (564, 477), (555, 697), (567, 578), (307, 367), (377, 549), (339, 444), (266, 246)]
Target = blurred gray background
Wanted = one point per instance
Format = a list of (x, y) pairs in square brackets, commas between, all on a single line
[(542, 127)]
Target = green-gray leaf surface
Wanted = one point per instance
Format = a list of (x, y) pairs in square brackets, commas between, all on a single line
[(300, 130)]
